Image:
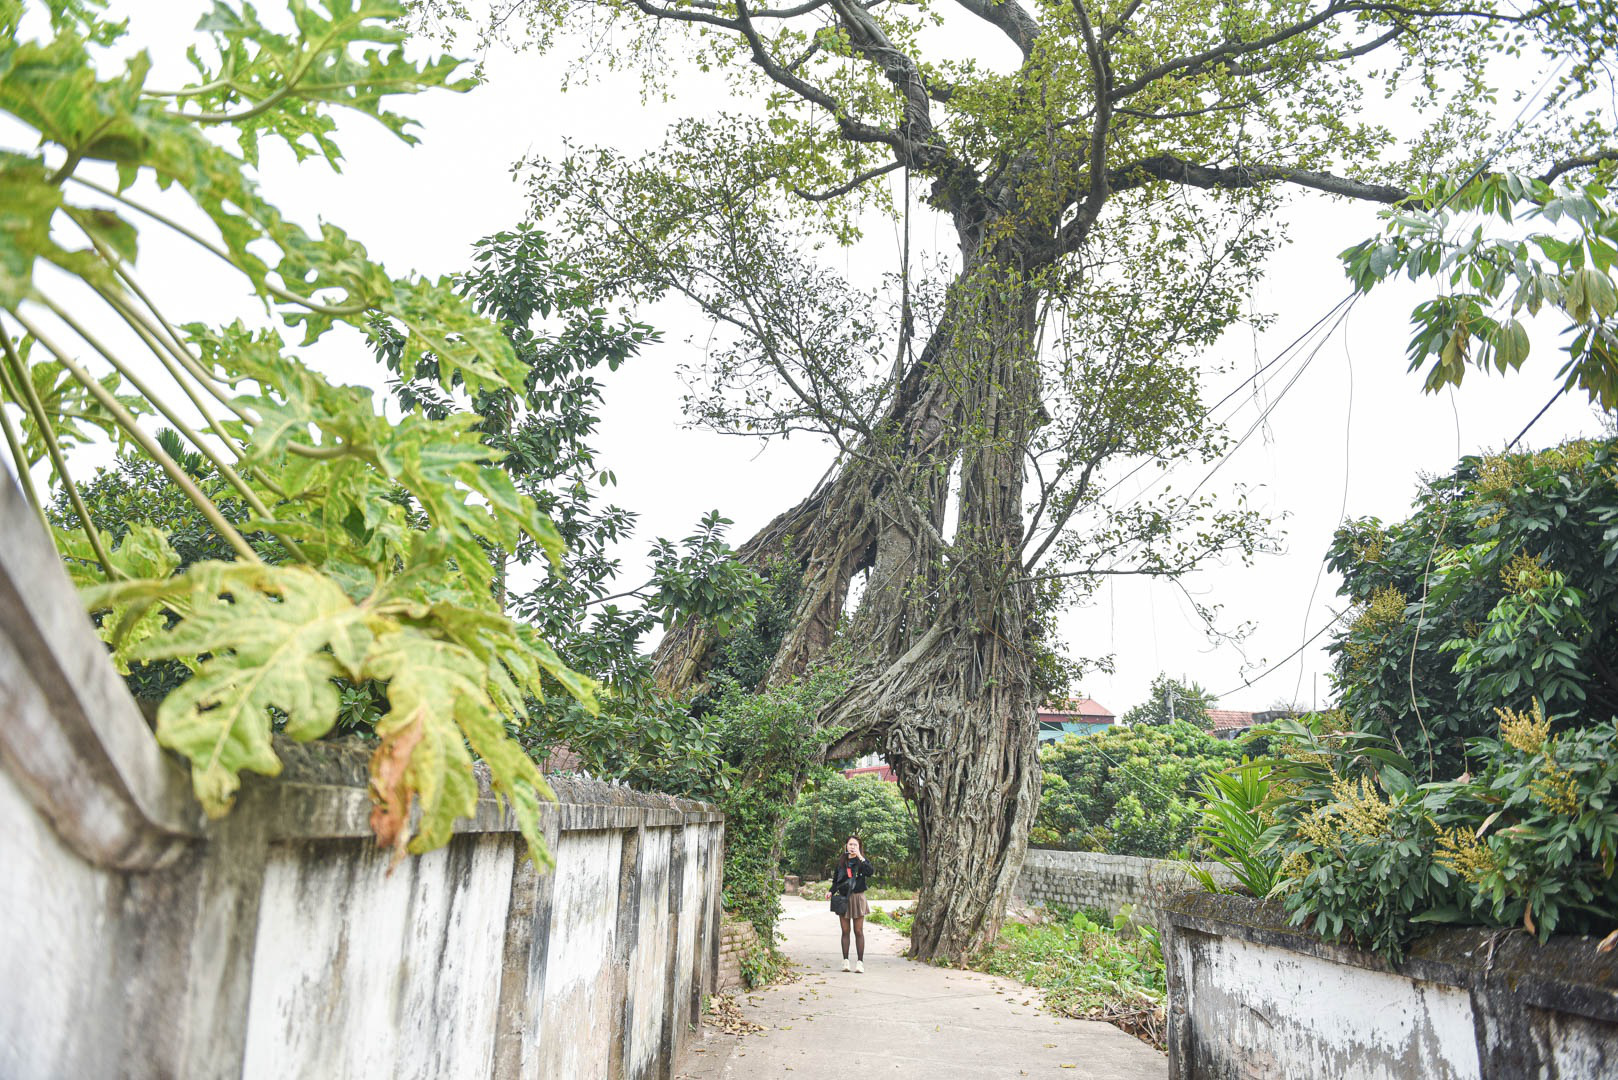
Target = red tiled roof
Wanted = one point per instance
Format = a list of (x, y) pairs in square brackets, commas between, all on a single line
[(1230, 719), (1087, 708), (881, 772)]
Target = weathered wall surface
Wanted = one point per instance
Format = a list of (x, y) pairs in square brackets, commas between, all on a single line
[(141, 941), (1251, 997), (1081, 879)]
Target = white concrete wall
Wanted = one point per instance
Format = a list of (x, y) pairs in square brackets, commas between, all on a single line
[(401, 960), (1253, 997), (138, 940), (1274, 1009), (576, 1026)]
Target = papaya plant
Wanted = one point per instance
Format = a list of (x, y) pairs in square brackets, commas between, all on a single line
[(374, 536)]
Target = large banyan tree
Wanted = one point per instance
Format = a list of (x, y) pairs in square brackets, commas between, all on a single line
[(1110, 171)]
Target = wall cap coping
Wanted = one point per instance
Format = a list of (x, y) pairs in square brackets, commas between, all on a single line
[(322, 793), (1565, 974), (75, 740)]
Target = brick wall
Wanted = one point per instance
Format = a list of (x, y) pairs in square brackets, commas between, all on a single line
[(1090, 879), (736, 940)]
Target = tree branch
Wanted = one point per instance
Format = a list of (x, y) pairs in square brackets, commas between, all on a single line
[(1225, 54), (1586, 161), (1009, 18), (1174, 170), (1101, 72), (1122, 23), (844, 189)]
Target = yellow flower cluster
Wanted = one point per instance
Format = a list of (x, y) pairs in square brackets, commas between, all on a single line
[(1320, 829), (1296, 865), (1465, 854), (1361, 807), (1358, 813), (1498, 474), (1371, 551), (1528, 732), (1557, 790), (1523, 574), (1386, 608)]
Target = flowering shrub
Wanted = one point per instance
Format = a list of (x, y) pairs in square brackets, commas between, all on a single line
[(1498, 591), (1369, 857)]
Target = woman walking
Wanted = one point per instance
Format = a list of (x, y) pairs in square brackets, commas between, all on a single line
[(848, 897)]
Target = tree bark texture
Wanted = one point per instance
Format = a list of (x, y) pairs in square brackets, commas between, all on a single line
[(939, 647)]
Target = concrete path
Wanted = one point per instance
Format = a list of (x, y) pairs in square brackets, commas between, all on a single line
[(904, 1020)]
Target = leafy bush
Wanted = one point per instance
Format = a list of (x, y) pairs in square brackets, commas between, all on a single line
[(770, 743), (382, 525), (1128, 791), (836, 807), (1519, 554), (1370, 857)]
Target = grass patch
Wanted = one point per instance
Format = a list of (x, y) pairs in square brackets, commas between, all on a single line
[(899, 918), (1088, 967)]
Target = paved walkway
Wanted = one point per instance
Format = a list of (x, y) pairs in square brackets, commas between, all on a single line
[(904, 1020)]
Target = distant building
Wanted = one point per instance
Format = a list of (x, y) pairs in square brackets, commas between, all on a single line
[(1085, 716), (1229, 723), (881, 772)]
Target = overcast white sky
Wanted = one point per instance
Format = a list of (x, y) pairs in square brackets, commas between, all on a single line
[(1353, 435)]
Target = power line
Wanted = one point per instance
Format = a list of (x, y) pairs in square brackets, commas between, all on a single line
[(1279, 664), (1542, 411)]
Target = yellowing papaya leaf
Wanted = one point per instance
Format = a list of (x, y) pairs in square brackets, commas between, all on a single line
[(132, 606), (391, 795), (426, 678), (516, 778), (278, 636), (582, 687)]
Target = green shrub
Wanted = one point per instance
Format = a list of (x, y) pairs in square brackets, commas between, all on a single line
[(1518, 553), (1368, 857), (1128, 791), (770, 742)]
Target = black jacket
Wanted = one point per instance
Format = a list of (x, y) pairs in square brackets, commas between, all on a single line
[(840, 881)]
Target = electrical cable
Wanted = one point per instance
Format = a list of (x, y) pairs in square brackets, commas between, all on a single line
[(1517, 125)]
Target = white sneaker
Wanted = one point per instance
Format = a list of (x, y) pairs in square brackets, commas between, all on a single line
[(845, 963), (859, 967)]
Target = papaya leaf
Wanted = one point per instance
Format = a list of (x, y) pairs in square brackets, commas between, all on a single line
[(276, 637), (426, 679)]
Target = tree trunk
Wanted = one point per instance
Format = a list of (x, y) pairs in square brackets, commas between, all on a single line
[(942, 671)]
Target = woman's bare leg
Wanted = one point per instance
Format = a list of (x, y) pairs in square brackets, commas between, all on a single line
[(859, 937)]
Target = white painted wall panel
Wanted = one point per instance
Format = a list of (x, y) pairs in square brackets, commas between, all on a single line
[(362, 973), (51, 968), (576, 1029), (648, 958), (1269, 1009)]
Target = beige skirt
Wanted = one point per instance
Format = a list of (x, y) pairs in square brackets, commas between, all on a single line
[(858, 906)]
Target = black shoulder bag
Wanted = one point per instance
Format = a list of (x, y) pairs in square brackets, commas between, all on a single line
[(839, 900)]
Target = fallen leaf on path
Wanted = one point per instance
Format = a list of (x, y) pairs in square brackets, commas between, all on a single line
[(727, 1017)]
